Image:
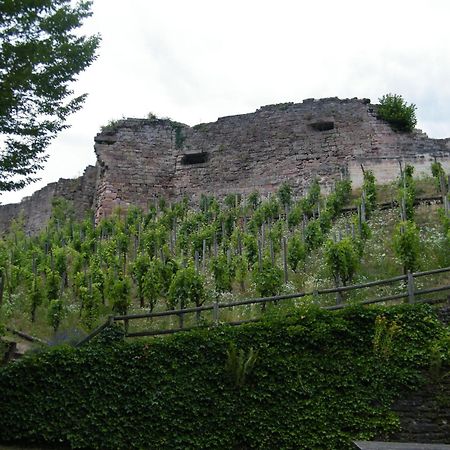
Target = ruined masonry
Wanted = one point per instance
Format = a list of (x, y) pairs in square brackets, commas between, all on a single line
[(139, 160)]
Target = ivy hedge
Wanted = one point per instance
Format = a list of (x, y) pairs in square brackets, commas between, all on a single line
[(311, 380)]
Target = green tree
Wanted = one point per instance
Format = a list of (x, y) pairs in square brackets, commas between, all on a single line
[(240, 263), (36, 295), (342, 259), (119, 292), (407, 245), (407, 192), (394, 110), (41, 54), (187, 287), (250, 248), (55, 313), (296, 251), (313, 197), (313, 235), (152, 283), (254, 200), (91, 300), (223, 273), (295, 216), (370, 189), (139, 269), (284, 194), (438, 173), (268, 278), (341, 195)]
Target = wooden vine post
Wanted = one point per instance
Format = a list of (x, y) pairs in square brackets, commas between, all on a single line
[(285, 263)]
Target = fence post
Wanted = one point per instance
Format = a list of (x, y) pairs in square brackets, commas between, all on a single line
[(216, 312), (410, 287), (259, 254), (196, 261), (316, 296), (285, 266)]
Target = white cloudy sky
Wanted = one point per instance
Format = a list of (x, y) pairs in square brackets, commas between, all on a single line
[(197, 60)]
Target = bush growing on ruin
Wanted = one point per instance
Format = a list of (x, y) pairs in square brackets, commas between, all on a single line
[(394, 110)]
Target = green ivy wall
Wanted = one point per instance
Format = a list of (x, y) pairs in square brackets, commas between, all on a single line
[(318, 383)]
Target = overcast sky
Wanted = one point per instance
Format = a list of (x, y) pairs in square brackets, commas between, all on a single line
[(195, 61)]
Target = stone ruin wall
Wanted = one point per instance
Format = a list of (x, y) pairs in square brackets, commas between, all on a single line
[(36, 209), (139, 160), (143, 159)]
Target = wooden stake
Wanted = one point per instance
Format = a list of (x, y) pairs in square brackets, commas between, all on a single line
[(410, 287), (196, 260), (285, 264), (204, 256), (259, 255)]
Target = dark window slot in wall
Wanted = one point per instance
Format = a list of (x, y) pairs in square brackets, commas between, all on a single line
[(194, 158), (323, 126)]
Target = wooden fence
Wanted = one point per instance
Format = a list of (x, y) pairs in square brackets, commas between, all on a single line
[(410, 293)]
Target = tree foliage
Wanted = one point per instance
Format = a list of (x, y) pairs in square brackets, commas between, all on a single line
[(407, 192), (342, 259), (268, 278), (41, 54), (394, 110), (438, 173), (186, 288), (407, 245), (296, 252), (370, 190)]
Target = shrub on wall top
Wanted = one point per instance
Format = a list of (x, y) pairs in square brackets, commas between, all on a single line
[(400, 115)]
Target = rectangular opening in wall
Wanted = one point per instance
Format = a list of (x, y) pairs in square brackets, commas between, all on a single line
[(323, 125), (194, 158)]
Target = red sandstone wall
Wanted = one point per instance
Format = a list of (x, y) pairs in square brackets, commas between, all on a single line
[(141, 159), (36, 209)]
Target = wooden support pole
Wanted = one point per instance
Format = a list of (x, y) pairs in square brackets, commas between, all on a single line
[(410, 287), (259, 255), (263, 235), (216, 313), (285, 265), (204, 256), (196, 260)]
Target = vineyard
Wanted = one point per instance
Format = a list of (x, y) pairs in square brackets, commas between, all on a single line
[(62, 283)]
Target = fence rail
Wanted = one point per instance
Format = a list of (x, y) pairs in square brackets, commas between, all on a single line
[(411, 294), (26, 336), (395, 204)]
